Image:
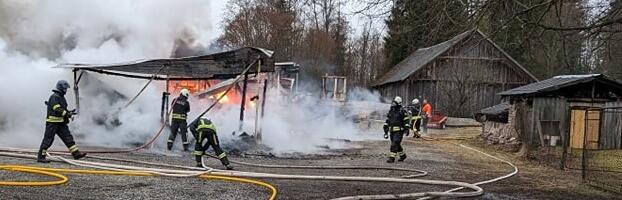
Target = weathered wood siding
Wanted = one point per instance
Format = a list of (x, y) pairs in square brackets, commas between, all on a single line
[(611, 127), (463, 80), (547, 109)]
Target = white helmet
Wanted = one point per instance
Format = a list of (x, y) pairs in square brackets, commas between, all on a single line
[(415, 101), (398, 100), (185, 92)]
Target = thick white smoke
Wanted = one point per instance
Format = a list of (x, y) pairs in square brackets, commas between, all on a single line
[(36, 35)]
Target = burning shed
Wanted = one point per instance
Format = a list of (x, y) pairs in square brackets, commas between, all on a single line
[(573, 111), (204, 68), (460, 76)]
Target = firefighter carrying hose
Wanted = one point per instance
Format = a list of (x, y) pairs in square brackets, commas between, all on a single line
[(181, 107), (414, 110), (397, 124), (56, 123), (204, 129)]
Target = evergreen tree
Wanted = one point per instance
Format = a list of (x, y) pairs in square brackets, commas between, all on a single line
[(417, 24)]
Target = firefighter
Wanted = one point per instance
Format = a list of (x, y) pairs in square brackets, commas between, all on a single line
[(397, 124), (414, 109), (204, 129), (56, 123), (181, 107)]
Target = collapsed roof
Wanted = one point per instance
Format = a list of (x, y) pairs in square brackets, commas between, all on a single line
[(221, 65)]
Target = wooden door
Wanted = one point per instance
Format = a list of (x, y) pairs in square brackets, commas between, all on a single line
[(577, 129), (593, 129)]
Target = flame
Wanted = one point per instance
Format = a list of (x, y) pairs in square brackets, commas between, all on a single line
[(224, 99)]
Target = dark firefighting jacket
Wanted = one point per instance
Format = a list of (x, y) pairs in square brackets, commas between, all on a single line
[(181, 107), (57, 108)]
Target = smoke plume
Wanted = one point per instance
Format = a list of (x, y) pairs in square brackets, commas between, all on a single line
[(36, 35)]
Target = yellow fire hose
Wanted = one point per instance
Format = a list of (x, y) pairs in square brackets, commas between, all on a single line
[(62, 179), (54, 172)]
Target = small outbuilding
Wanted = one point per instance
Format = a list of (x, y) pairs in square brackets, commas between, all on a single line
[(573, 111), (459, 76)]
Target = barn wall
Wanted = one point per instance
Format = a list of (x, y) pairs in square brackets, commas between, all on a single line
[(547, 109), (611, 127), (465, 79)]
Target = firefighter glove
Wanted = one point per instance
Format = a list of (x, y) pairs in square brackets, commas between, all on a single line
[(386, 136)]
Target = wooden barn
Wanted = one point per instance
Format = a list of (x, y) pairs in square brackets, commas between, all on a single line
[(573, 111), (459, 76)]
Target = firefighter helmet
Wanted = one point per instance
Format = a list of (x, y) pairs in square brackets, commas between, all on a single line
[(398, 100), (415, 101), (184, 92), (62, 86)]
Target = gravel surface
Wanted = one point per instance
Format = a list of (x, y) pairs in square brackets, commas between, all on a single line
[(442, 159)]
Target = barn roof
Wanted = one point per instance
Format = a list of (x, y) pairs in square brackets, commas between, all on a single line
[(226, 64), (557, 83), (421, 57)]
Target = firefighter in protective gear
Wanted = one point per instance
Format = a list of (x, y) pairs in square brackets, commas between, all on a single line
[(181, 107), (56, 123), (414, 110), (204, 129), (396, 125)]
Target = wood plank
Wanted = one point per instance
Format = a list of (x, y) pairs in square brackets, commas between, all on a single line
[(577, 129), (593, 129), (471, 58)]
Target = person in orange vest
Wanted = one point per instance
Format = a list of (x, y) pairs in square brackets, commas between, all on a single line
[(426, 115)]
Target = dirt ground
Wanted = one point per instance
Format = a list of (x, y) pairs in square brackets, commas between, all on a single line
[(444, 160)]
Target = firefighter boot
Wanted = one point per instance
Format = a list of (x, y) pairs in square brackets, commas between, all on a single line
[(77, 155), (169, 146), (225, 162), (391, 160), (41, 157), (402, 158), (199, 164), (186, 147)]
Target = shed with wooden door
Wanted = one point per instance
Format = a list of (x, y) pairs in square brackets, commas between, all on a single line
[(459, 76), (575, 111)]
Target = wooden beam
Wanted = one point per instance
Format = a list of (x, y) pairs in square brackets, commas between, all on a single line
[(471, 58)]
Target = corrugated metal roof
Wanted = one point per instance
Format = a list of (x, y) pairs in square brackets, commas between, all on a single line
[(423, 56), (223, 64), (550, 84)]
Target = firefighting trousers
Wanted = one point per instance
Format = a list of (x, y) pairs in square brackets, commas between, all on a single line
[(212, 141), (60, 129), (417, 124), (179, 126), (424, 124), (396, 144)]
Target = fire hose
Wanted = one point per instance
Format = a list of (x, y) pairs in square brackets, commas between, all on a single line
[(110, 169), (476, 190), (481, 152), (278, 176), (62, 179)]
